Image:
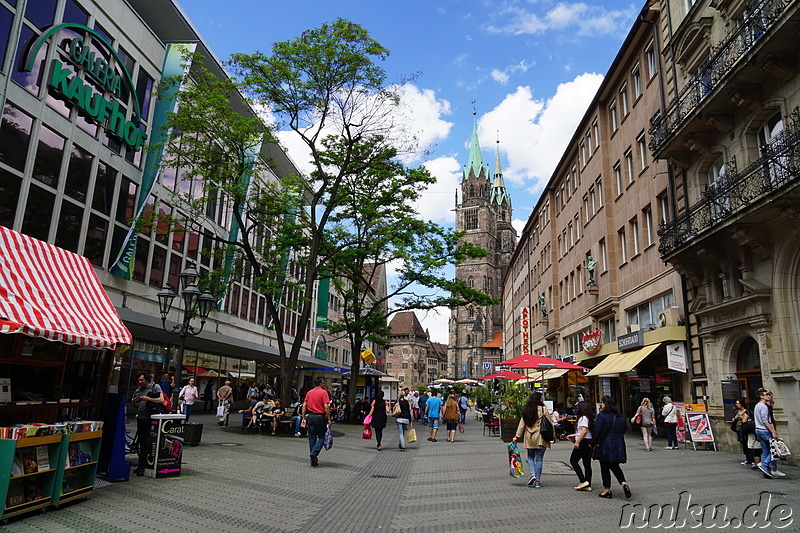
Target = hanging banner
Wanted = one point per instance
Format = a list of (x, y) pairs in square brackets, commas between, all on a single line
[(525, 324), (173, 66), (676, 357)]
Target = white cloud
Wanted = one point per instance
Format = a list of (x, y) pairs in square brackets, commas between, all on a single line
[(437, 323), (534, 133), (519, 225), (499, 76), (418, 117), (583, 18), (436, 204)]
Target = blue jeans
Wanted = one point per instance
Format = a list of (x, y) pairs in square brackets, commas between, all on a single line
[(767, 460), (297, 420), (535, 457), (187, 410), (401, 430), (316, 425)]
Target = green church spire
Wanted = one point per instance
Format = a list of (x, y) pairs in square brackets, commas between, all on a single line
[(475, 159), (499, 193)]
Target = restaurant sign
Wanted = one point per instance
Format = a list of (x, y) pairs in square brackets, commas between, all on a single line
[(110, 113), (592, 342), (630, 341), (525, 322)]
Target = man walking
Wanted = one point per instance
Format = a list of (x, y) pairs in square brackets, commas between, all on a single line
[(432, 408), (224, 395), (316, 414), (766, 430), (421, 402), (463, 405), (146, 398)]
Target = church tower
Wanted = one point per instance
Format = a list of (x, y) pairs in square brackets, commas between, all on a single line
[(484, 214)]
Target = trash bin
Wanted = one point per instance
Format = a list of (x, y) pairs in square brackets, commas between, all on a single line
[(166, 446), (192, 433)]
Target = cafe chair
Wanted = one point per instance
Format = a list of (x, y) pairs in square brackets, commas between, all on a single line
[(492, 424)]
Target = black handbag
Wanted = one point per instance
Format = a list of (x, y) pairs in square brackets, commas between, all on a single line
[(546, 429)]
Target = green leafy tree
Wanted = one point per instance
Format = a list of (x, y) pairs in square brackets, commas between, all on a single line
[(375, 228)]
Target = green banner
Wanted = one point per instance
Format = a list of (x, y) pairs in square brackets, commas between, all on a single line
[(323, 296), (173, 66)]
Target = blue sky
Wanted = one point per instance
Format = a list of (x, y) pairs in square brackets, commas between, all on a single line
[(531, 66)]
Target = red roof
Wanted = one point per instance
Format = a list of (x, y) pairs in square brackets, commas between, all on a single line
[(48, 292), (496, 342)]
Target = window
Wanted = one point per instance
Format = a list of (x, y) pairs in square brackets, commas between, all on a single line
[(647, 213), (635, 235), (636, 78), (583, 157), (664, 208), (577, 228), (629, 165), (586, 208), (571, 235), (652, 65), (612, 116), (623, 98), (15, 134), (609, 329), (471, 219), (604, 255), (618, 177), (646, 315), (593, 200), (596, 133), (640, 140), (623, 245), (405, 366), (599, 183), (589, 142)]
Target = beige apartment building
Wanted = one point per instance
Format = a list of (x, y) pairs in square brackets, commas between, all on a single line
[(588, 260), (730, 133)]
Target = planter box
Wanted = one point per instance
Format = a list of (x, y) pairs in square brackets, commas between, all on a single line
[(192, 433), (508, 428)]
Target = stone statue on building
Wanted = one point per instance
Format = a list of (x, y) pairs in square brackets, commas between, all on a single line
[(590, 271)]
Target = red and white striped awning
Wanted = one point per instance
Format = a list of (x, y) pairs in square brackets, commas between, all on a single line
[(54, 294)]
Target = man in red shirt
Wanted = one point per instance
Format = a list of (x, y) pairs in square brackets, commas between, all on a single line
[(316, 415)]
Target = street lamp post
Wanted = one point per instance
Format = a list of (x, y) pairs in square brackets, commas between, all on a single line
[(195, 303)]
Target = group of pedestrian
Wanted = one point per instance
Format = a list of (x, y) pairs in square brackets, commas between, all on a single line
[(601, 439)]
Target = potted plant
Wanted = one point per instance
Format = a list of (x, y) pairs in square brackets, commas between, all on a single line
[(510, 411)]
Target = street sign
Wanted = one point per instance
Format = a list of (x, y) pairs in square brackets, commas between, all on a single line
[(487, 366)]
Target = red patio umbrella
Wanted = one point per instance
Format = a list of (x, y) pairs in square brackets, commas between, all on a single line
[(505, 374), (540, 362)]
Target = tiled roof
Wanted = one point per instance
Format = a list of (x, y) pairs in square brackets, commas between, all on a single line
[(406, 323)]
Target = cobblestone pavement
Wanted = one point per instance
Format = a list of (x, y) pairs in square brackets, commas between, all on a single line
[(237, 482)]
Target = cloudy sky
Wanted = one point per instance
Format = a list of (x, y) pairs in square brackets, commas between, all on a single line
[(530, 66)]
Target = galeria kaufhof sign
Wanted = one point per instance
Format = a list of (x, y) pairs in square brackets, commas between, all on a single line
[(109, 113)]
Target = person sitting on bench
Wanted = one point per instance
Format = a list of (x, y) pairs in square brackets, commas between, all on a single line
[(275, 414)]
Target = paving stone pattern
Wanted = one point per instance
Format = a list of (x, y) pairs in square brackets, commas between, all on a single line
[(265, 483)]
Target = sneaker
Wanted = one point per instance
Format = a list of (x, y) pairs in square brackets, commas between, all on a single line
[(537, 485), (297, 434), (766, 471), (667, 447), (745, 463), (531, 481), (778, 473)]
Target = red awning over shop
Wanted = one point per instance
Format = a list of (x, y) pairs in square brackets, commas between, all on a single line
[(54, 294), (496, 342)]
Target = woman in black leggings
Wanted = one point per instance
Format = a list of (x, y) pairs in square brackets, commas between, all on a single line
[(378, 412), (609, 428), (582, 450)]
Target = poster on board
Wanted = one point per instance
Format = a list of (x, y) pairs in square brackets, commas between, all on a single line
[(680, 429), (699, 426)]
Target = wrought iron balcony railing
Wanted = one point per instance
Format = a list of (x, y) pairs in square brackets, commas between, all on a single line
[(735, 191), (756, 21)]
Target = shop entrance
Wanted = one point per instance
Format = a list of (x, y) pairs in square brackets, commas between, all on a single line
[(748, 371)]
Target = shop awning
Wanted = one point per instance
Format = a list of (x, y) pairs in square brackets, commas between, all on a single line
[(54, 294), (496, 342), (621, 362)]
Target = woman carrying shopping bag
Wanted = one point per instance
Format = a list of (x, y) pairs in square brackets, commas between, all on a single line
[(403, 422), (530, 428)]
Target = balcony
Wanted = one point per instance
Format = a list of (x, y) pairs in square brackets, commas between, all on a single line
[(757, 21), (736, 191)]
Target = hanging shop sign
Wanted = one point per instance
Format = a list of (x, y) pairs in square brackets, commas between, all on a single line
[(676, 357), (592, 341), (105, 107), (525, 322), (630, 341)]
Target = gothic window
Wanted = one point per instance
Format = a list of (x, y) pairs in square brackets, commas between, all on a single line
[(471, 282), (472, 312), (471, 191), (471, 219)]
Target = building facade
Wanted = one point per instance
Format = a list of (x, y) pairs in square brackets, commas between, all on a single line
[(484, 215), (408, 356), (730, 135), (77, 90), (586, 282)]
